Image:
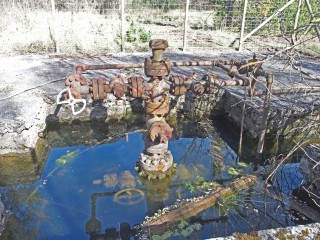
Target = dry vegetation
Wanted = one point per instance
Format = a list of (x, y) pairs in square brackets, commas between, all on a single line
[(94, 27)]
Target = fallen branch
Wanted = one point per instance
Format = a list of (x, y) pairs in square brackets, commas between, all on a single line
[(192, 207)]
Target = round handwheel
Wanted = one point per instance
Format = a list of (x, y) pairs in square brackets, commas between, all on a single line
[(71, 101), (129, 196)]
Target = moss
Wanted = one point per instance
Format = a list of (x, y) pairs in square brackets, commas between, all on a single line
[(305, 232), (282, 236), (247, 236), (23, 167)]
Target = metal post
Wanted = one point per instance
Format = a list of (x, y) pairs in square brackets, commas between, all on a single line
[(186, 25), (122, 25), (243, 24), (266, 107), (54, 35)]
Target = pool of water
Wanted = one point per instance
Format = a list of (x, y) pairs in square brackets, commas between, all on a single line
[(77, 195)]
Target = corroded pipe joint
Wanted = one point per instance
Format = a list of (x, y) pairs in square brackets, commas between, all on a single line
[(98, 88), (160, 108), (136, 87), (81, 68), (178, 86), (233, 71), (153, 68)]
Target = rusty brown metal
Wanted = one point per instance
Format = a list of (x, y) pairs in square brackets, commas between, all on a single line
[(76, 77), (136, 86), (153, 68), (198, 88), (160, 130), (118, 86), (83, 68), (178, 86), (266, 107), (160, 108), (228, 82), (101, 88), (278, 91), (95, 89)]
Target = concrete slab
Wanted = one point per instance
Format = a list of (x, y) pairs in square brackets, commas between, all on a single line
[(24, 112)]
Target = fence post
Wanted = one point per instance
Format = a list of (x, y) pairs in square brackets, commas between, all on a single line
[(296, 22), (243, 24), (312, 16), (185, 26), (122, 25), (54, 35)]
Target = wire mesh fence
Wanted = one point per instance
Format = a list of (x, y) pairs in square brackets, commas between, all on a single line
[(95, 26)]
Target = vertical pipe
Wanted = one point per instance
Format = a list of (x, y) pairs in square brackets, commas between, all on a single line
[(264, 121), (243, 24), (122, 25), (242, 123), (186, 25)]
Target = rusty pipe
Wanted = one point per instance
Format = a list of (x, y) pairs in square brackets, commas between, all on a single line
[(85, 67), (265, 113), (279, 91), (230, 82)]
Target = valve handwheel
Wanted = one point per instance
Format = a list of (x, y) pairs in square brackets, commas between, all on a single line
[(71, 101), (129, 196)]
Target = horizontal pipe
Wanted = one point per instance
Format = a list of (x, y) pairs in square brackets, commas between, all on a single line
[(279, 91), (230, 82), (83, 68), (236, 74)]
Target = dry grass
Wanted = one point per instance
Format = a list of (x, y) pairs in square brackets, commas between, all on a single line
[(24, 31)]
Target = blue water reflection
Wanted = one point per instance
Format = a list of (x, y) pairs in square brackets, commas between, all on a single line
[(76, 193)]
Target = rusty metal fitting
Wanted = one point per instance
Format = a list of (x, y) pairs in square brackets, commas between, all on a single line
[(233, 71), (178, 87), (136, 86), (97, 88), (198, 88), (161, 131), (75, 78), (212, 81), (154, 68), (159, 108), (78, 86), (118, 86)]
